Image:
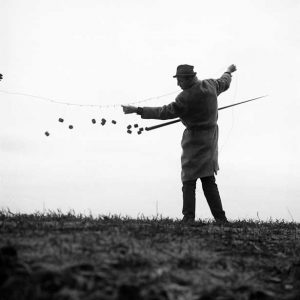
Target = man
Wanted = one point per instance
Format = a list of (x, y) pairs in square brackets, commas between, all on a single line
[(197, 108)]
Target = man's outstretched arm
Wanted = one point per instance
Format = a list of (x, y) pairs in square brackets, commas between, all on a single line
[(223, 83), (170, 111)]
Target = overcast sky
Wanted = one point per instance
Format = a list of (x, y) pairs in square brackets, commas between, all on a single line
[(111, 52)]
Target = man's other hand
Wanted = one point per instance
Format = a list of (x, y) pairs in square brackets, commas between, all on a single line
[(231, 68), (129, 109)]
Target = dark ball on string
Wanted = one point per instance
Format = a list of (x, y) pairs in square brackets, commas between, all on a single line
[(136, 125), (93, 121), (61, 120), (47, 133), (129, 126), (114, 122), (129, 131), (141, 129), (71, 126), (139, 132)]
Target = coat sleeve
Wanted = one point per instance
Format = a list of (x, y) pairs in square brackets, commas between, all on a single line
[(222, 84), (173, 110)]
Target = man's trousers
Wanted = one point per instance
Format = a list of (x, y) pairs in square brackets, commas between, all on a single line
[(212, 196)]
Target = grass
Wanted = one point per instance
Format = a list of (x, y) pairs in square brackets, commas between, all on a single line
[(67, 256)]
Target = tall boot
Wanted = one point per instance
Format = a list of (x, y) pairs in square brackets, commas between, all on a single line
[(189, 199), (212, 196)]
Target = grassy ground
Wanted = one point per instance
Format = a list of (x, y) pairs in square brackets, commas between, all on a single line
[(57, 256)]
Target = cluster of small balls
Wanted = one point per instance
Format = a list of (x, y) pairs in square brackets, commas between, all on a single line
[(61, 120), (103, 121), (129, 129)]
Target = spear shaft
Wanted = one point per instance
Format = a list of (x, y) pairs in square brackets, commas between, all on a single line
[(178, 120)]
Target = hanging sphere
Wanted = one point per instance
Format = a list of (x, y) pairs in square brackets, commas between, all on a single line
[(141, 129), (129, 126), (129, 131), (61, 120), (139, 132), (71, 126), (93, 121), (114, 122), (136, 125), (47, 133)]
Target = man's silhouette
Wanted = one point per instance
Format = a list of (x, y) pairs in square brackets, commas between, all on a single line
[(197, 107)]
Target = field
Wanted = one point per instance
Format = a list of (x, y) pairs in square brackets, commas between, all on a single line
[(69, 256)]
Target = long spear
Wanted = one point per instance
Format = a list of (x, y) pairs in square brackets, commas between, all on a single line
[(178, 120)]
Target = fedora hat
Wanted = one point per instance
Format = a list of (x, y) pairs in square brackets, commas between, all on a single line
[(185, 70)]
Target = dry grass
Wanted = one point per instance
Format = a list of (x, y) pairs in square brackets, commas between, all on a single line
[(69, 256)]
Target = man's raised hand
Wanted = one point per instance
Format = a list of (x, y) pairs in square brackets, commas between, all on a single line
[(129, 109), (231, 68)]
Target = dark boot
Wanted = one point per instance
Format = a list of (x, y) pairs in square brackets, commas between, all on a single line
[(212, 196), (189, 200)]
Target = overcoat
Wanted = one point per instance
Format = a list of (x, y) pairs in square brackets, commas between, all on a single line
[(197, 107)]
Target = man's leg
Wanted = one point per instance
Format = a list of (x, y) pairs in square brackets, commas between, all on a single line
[(212, 196), (189, 199)]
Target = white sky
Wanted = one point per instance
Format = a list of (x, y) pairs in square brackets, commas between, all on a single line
[(110, 52)]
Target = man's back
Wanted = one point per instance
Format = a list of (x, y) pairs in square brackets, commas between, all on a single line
[(201, 103)]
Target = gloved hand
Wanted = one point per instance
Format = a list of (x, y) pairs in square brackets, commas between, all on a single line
[(231, 69), (129, 109)]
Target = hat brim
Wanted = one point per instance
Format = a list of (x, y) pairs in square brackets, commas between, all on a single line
[(185, 75)]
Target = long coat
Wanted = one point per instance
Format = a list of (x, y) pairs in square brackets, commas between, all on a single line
[(197, 107)]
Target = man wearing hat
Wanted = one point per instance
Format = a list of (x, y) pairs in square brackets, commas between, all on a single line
[(197, 107)]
